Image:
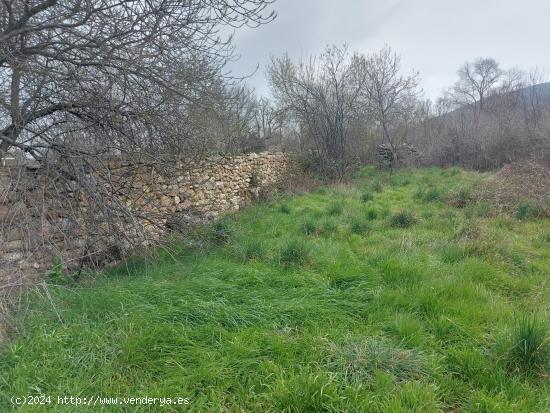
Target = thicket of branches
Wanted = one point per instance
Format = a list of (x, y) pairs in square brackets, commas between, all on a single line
[(342, 109), (489, 117), (85, 84), (338, 103), (96, 77)]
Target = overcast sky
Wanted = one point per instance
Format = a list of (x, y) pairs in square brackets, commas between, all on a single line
[(433, 36)]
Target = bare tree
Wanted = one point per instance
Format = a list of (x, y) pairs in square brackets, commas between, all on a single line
[(491, 116), (269, 122), (93, 90), (390, 97), (322, 94), (476, 81), (107, 65)]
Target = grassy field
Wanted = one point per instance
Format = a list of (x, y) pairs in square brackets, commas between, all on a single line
[(388, 295)]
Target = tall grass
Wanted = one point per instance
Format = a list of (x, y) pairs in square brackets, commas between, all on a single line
[(527, 210), (526, 348), (361, 360), (221, 232), (319, 302), (402, 219), (429, 194), (295, 252)]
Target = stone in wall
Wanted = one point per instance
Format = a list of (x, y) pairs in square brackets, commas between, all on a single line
[(191, 192)]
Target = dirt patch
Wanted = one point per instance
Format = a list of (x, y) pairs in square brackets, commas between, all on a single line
[(516, 182)]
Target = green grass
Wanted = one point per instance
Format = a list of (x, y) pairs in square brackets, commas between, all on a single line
[(428, 194), (221, 232), (284, 209), (335, 208), (359, 226), (252, 249), (294, 252), (527, 210), (402, 219), (526, 348), (367, 196), (320, 302)]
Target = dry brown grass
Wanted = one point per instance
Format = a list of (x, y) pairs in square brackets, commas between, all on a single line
[(517, 182)]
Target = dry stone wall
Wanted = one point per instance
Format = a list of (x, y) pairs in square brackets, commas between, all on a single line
[(174, 197)]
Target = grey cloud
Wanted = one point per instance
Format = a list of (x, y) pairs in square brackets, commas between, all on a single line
[(433, 36)]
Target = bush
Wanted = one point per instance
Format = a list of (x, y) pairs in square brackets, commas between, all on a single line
[(402, 219), (366, 197), (527, 347), (295, 252)]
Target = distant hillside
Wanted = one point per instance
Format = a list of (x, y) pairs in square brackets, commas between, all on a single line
[(512, 126), (539, 94), (542, 90)]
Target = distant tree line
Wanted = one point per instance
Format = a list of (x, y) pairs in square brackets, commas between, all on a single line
[(341, 109), (339, 103), (489, 117)]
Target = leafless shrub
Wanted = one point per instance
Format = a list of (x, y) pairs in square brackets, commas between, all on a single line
[(488, 118)]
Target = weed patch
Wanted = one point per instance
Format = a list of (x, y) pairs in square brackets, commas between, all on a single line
[(295, 253), (360, 360), (366, 197), (402, 219), (525, 349), (335, 208)]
